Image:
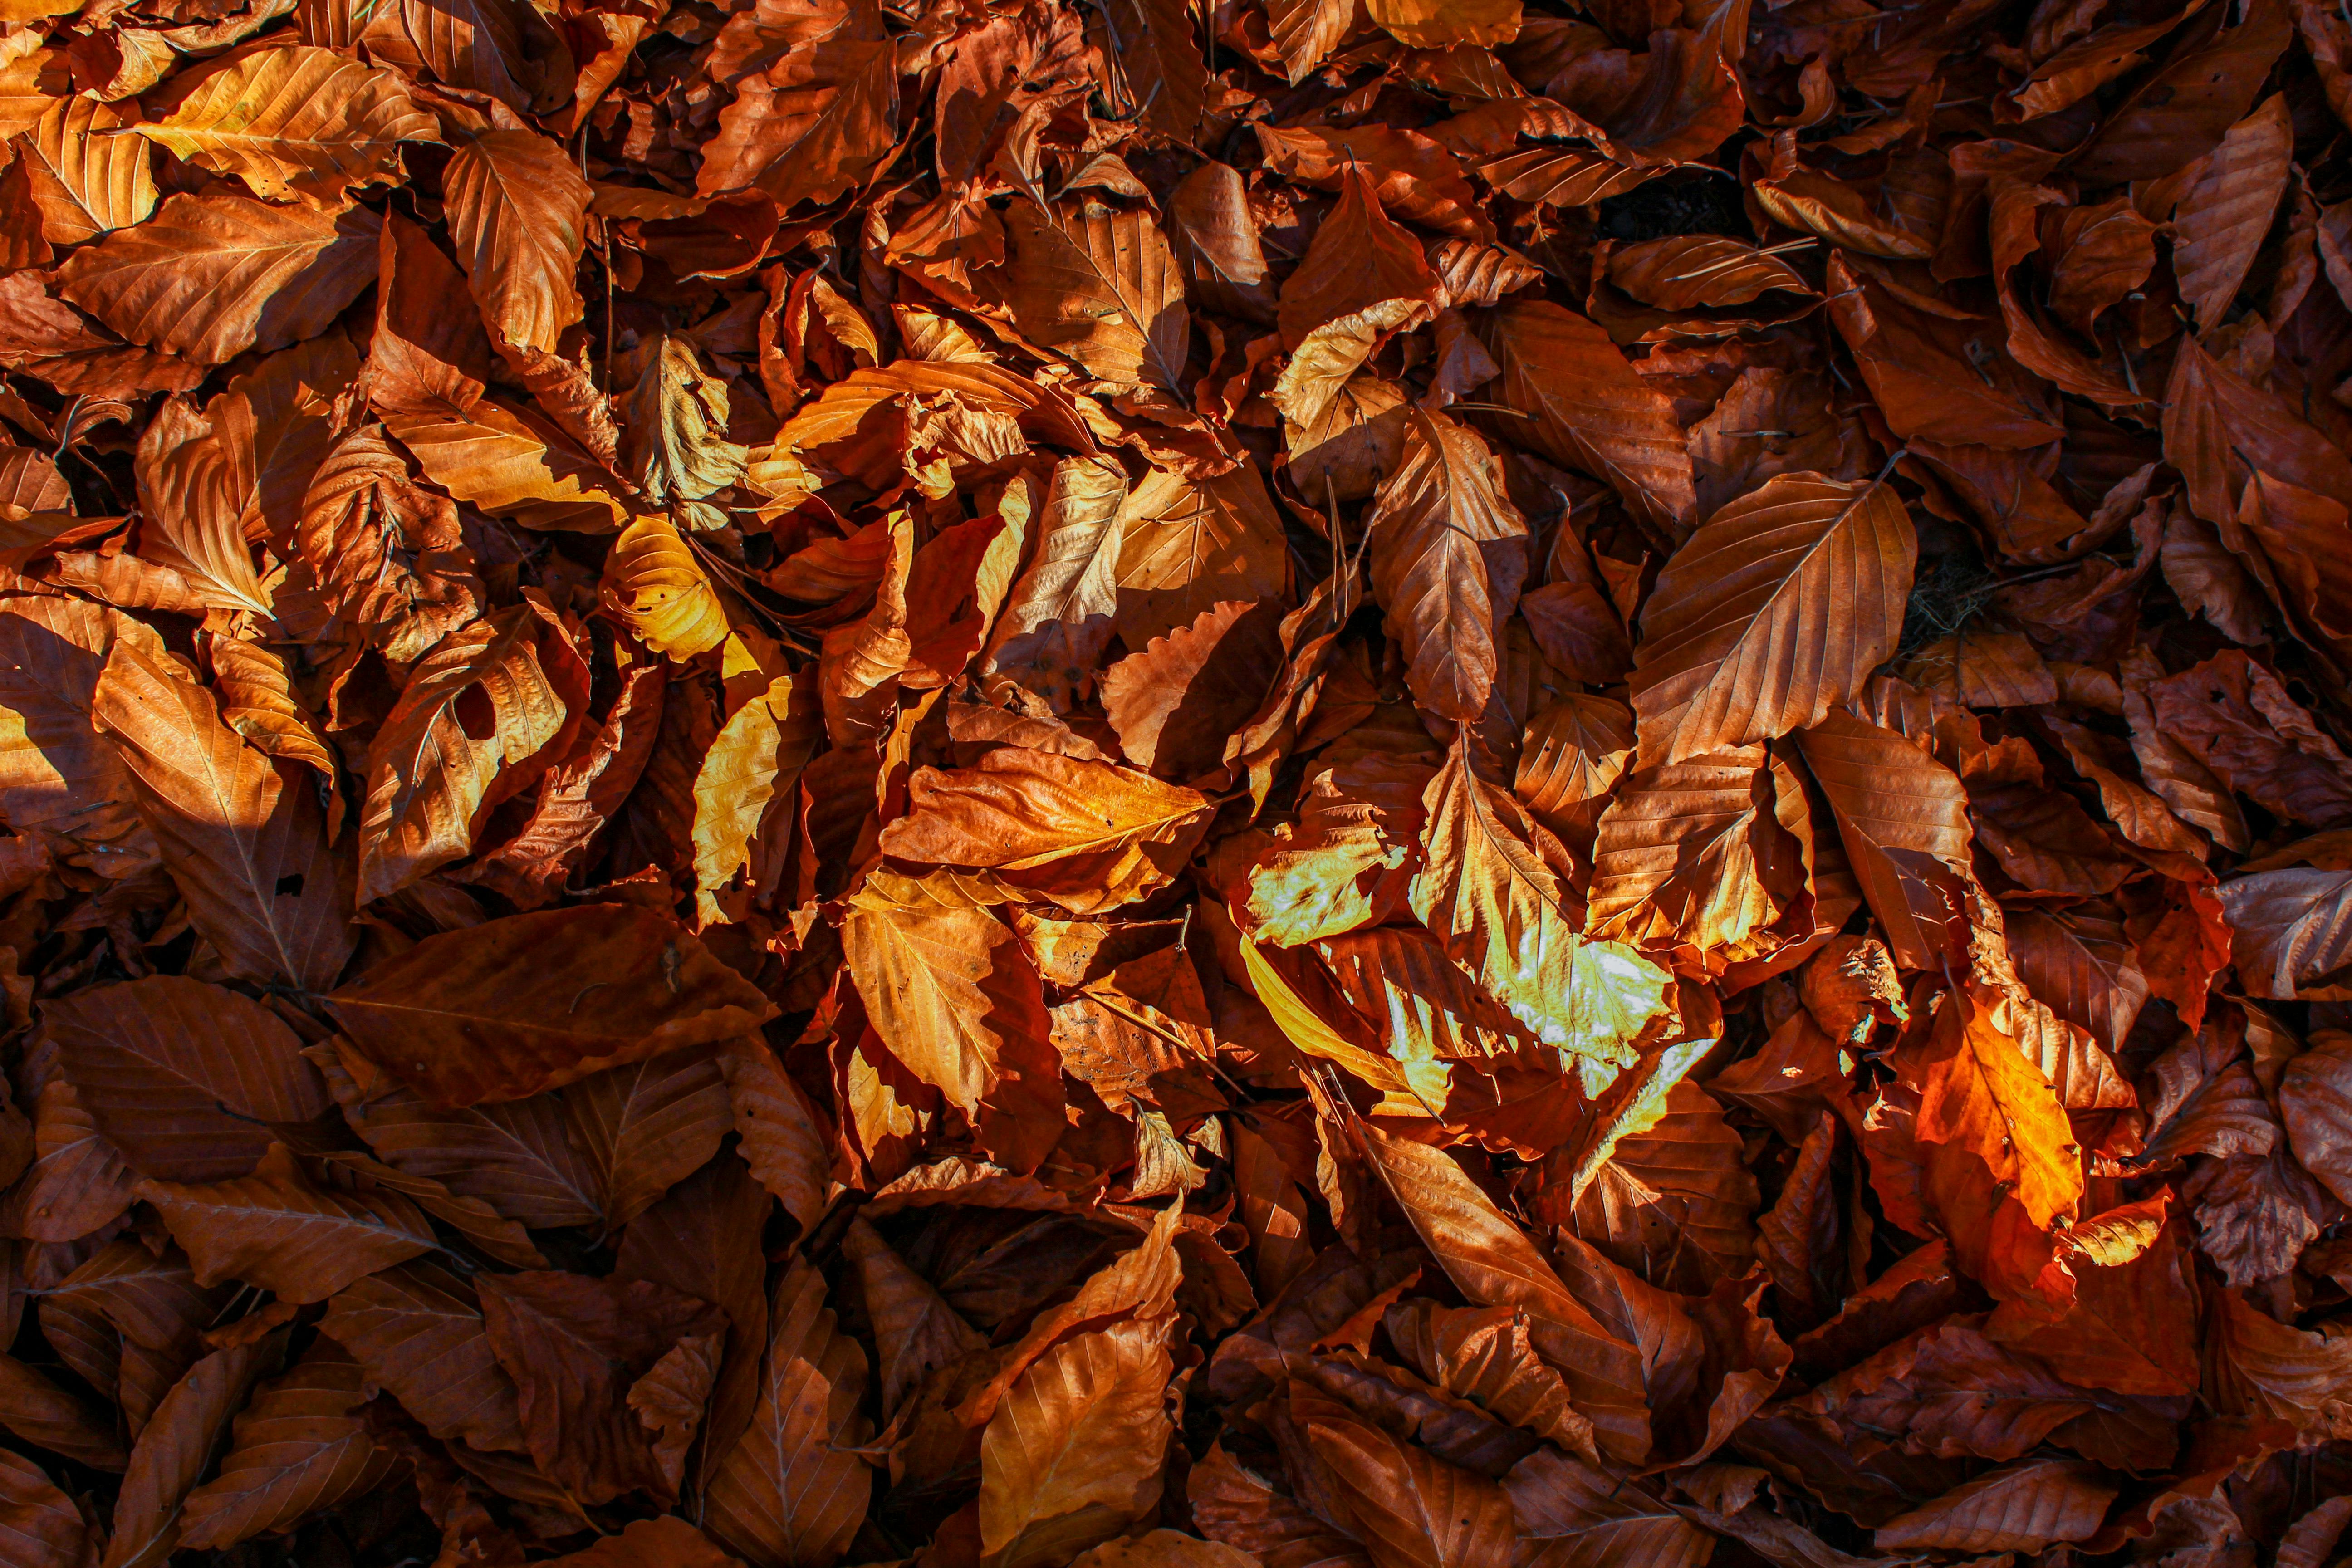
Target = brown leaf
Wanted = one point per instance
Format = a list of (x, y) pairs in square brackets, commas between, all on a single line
[(1417, 180), (1494, 1265), (210, 276), (1074, 1450), (787, 1493), (1687, 271), (665, 1542), (512, 462), (242, 835), (1576, 750), (1448, 557), (2258, 1366), (1589, 412), (522, 1158), (1305, 31), (654, 585), (2019, 1508), (1022, 809), (2226, 208), (1161, 62), (578, 798), (41, 1412), (1237, 1508), (78, 1181), (960, 1005), (1058, 617), (276, 1230), (2221, 428), (485, 46), (1406, 1505), (1500, 912), (678, 429), (297, 1449), (1903, 819), (1934, 377), (1357, 258), (58, 772), (756, 759), (298, 122), (915, 1327), (1348, 862), (375, 551), (87, 179), (1572, 1516), (702, 1240), (781, 1138), (452, 1018), (417, 1330), (515, 206), (2183, 109), (1690, 855), (40, 1523), (574, 1347), (1100, 285), (2316, 1102), (1485, 1354), (1174, 701), (431, 777), (1776, 611), (2001, 1166), (181, 1076), (1187, 546), (810, 125), (176, 1447), (2237, 719), (1673, 1202)]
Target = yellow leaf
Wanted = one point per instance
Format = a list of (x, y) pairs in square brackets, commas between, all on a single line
[(654, 585)]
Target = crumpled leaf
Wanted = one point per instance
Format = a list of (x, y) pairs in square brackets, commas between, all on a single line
[(430, 775), (678, 429), (1500, 912)]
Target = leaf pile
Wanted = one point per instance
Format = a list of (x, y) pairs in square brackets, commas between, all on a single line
[(1315, 783)]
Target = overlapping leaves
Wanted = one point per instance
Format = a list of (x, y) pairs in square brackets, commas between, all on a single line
[(1146, 786)]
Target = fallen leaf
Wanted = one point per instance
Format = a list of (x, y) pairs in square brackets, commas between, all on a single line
[(448, 1019), (1738, 641), (298, 122)]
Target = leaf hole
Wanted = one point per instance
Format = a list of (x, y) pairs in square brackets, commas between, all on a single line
[(476, 714)]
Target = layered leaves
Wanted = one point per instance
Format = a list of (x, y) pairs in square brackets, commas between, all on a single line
[(1448, 558), (1501, 913)]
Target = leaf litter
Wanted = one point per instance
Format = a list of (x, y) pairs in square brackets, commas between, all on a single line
[(1298, 782)]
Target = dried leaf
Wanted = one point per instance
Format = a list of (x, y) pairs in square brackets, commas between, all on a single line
[(300, 123), (297, 1450), (1500, 912), (243, 836), (960, 1004), (1448, 557), (1774, 612), (453, 1018), (788, 1493), (210, 276)]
